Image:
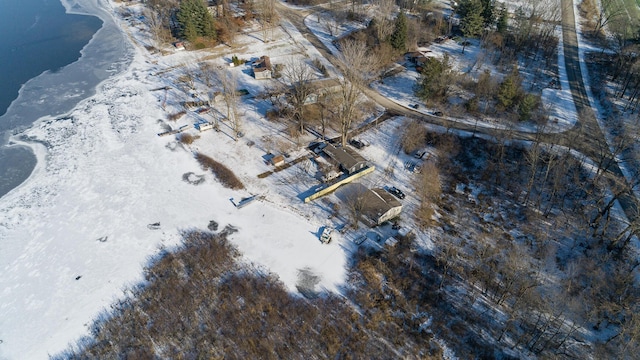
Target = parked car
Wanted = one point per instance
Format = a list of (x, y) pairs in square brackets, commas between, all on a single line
[(396, 192), (356, 143), (415, 106), (412, 166), (438, 113), (359, 240), (325, 238)]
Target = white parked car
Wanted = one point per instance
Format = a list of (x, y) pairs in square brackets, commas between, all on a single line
[(325, 238)]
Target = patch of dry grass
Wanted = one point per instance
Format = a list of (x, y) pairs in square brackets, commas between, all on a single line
[(226, 177), (187, 138), (176, 116)]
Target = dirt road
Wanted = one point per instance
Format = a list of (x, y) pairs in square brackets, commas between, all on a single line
[(585, 137)]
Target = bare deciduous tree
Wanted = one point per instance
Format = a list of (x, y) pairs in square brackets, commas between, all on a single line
[(229, 84), (268, 18), (356, 65), (158, 14), (428, 188), (355, 203), (207, 73), (299, 75), (609, 10), (413, 137), (384, 25)]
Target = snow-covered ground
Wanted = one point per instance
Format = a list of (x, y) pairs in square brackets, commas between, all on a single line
[(400, 88), (76, 233)]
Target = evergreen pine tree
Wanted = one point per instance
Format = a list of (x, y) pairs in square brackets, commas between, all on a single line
[(434, 78), (189, 31), (526, 106), (509, 89), (503, 20), (195, 20), (488, 13), (209, 27), (472, 21), (399, 36)]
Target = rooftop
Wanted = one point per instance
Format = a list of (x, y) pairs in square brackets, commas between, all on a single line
[(345, 156), (262, 64)]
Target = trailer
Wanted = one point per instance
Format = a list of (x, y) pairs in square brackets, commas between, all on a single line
[(244, 201)]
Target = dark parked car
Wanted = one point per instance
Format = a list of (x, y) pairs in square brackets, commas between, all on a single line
[(396, 192), (438, 113), (415, 106), (356, 143)]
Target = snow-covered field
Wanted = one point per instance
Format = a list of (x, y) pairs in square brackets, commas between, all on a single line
[(76, 233)]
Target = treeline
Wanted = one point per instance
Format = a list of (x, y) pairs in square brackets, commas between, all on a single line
[(204, 23), (199, 302), (529, 255)]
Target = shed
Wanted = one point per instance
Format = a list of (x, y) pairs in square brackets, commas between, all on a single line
[(391, 242), (277, 160), (348, 159), (204, 126), (262, 68), (379, 206)]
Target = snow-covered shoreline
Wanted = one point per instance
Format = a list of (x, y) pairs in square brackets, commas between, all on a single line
[(75, 234)]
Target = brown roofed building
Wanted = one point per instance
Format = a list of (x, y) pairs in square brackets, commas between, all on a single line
[(262, 68)]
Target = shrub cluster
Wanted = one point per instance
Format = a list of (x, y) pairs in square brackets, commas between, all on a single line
[(198, 302), (176, 116), (187, 138), (226, 177)]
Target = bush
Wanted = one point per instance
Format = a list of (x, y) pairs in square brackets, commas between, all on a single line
[(414, 137), (176, 116), (237, 61), (472, 105), (187, 138), (271, 115), (224, 175), (320, 67)]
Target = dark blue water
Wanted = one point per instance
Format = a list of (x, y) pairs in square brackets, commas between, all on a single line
[(37, 35), (49, 61)]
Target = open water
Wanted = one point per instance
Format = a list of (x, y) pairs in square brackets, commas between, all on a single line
[(49, 61)]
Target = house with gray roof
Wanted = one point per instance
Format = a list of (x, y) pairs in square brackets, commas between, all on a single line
[(379, 206), (348, 159)]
